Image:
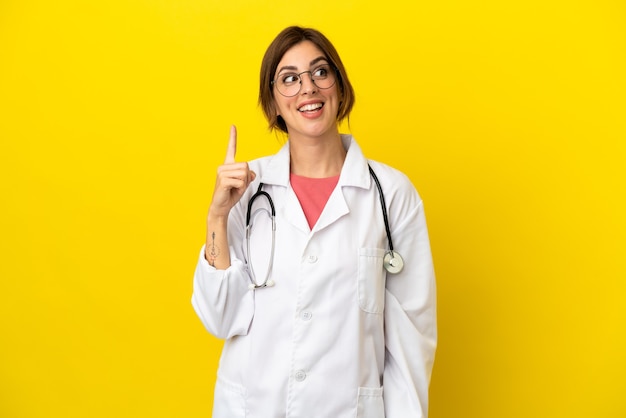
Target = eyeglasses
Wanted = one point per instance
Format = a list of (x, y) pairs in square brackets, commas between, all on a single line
[(289, 84)]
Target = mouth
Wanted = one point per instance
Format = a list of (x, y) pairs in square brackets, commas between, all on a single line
[(310, 107)]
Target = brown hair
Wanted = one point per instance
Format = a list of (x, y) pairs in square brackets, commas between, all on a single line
[(285, 40)]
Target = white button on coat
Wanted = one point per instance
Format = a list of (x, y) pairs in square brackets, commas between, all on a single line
[(373, 334), (300, 375)]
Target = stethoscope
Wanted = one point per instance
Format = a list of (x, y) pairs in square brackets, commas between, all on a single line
[(392, 261)]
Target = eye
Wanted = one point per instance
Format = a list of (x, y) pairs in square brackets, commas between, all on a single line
[(289, 78), (321, 72)]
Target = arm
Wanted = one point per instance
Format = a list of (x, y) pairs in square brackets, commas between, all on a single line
[(221, 297), (410, 322), (232, 181)]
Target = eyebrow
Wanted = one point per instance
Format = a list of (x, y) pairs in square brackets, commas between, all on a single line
[(294, 68)]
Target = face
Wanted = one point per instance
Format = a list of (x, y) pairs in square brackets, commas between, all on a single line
[(312, 112)]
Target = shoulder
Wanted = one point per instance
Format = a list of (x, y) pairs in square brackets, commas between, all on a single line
[(260, 163), (394, 183), (272, 169)]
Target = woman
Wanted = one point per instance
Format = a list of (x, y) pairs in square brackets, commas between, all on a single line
[(313, 323)]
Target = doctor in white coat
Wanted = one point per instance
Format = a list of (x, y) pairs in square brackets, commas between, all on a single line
[(314, 325)]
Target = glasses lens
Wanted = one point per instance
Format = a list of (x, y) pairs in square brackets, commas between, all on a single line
[(323, 77), (289, 84)]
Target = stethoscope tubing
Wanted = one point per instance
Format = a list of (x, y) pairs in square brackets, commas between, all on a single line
[(383, 206), (393, 262), (258, 193), (249, 217)]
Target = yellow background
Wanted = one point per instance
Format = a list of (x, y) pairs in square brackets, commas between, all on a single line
[(509, 116)]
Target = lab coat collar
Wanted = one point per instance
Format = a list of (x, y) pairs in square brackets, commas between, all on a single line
[(353, 173)]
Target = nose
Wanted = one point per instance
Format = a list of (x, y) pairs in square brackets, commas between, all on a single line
[(308, 86)]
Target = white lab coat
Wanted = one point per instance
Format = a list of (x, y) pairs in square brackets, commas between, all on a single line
[(337, 336)]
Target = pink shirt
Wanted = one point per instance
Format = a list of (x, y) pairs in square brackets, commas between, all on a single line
[(313, 194)]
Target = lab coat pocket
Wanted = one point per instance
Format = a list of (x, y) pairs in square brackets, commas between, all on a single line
[(371, 280), (370, 403), (229, 400)]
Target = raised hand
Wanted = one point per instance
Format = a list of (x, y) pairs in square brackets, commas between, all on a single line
[(232, 180)]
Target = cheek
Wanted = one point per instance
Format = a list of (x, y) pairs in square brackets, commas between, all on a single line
[(280, 106), (276, 106)]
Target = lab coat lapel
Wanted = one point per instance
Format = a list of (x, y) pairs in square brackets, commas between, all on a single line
[(335, 208), (354, 173), (277, 174), (293, 212)]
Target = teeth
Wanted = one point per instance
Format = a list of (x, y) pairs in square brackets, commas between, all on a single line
[(309, 107)]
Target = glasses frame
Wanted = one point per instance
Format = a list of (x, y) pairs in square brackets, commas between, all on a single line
[(299, 75)]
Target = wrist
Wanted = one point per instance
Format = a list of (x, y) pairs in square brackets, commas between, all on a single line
[(217, 217)]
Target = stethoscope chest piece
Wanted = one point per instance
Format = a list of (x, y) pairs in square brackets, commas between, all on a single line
[(393, 262)]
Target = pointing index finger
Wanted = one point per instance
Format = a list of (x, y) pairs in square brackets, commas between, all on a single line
[(232, 146)]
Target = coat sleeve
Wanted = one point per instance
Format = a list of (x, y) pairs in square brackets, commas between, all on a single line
[(410, 319), (221, 298)]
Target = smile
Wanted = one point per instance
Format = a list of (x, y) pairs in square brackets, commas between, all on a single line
[(311, 107)]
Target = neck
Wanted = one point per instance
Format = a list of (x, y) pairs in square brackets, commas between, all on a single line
[(317, 158)]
